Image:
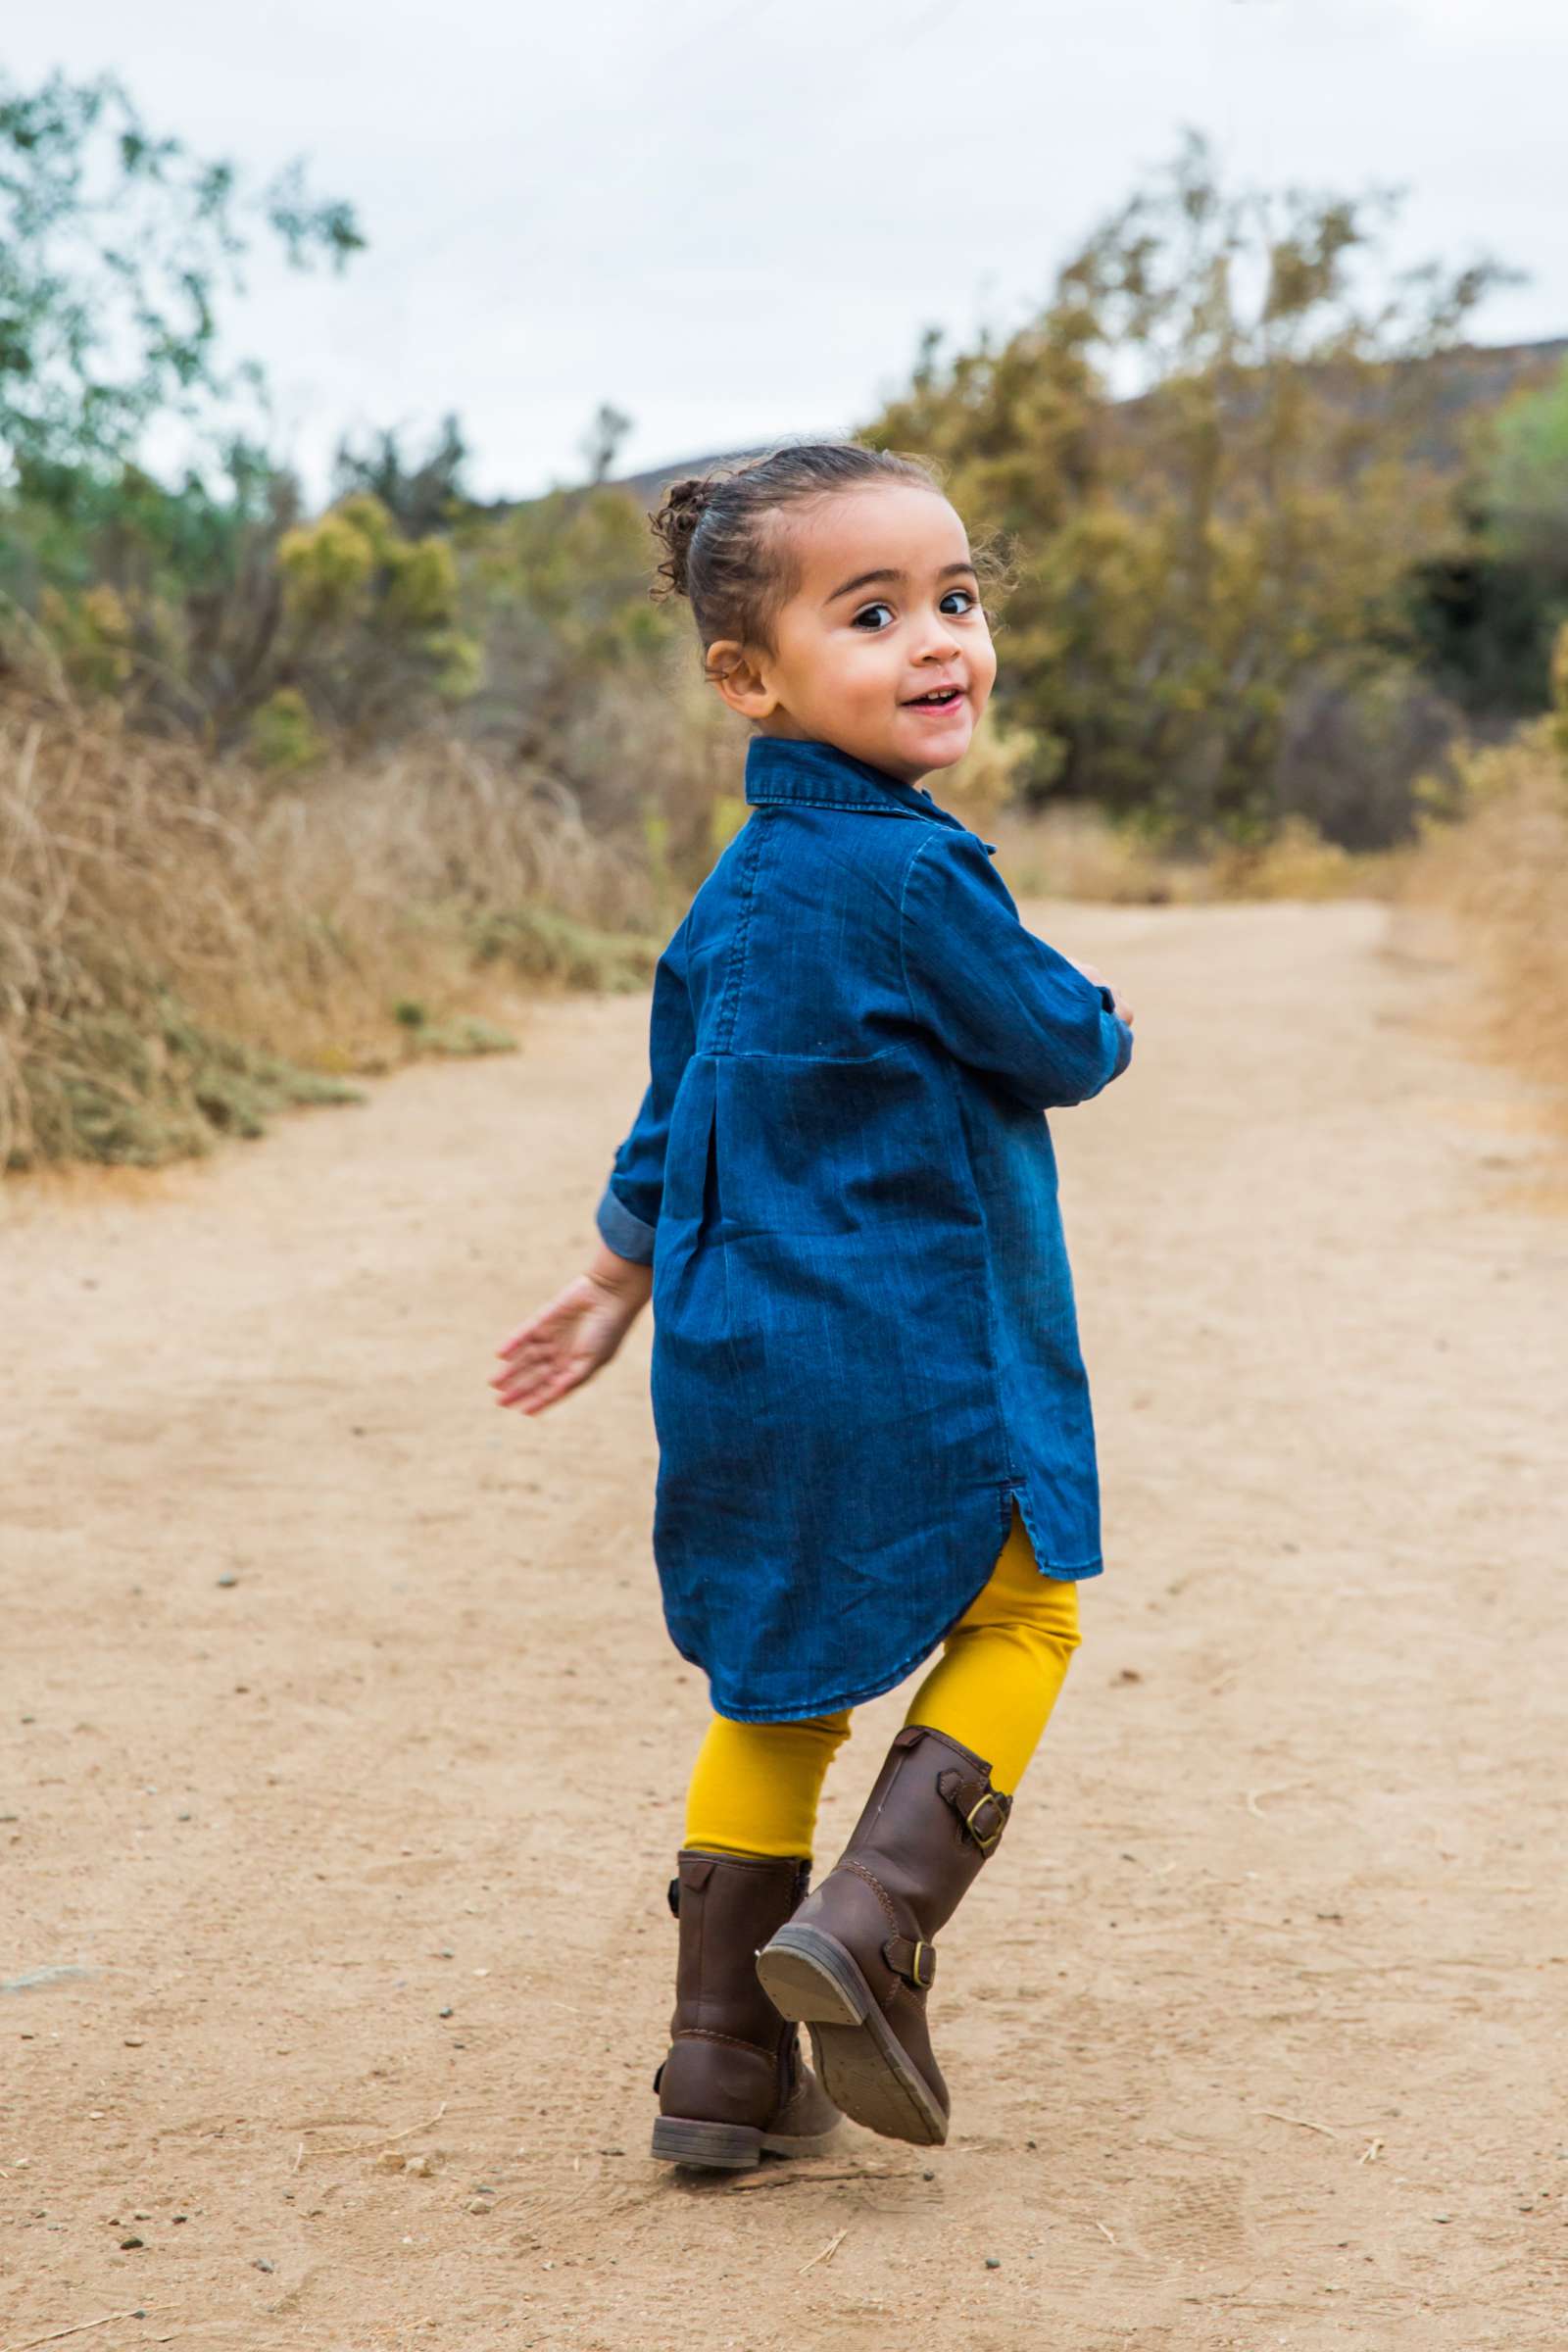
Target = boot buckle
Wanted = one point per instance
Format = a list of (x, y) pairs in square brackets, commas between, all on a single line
[(913, 1959), (984, 1841)]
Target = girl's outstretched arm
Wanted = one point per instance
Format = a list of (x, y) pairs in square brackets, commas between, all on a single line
[(566, 1343), (628, 1208), (997, 996)]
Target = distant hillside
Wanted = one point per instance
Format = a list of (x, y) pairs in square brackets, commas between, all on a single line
[(650, 485)]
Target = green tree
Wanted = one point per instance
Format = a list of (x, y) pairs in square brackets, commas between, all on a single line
[(1214, 454), (1488, 607), (1524, 488), (116, 246)]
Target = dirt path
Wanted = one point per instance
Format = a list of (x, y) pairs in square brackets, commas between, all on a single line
[(343, 1749)]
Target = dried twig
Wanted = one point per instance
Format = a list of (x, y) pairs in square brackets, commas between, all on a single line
[(428, 2126), (1300, 2121), (1371, 2153), (81, 2327), (368, 2147), (827, 2255), (1107, 2234)]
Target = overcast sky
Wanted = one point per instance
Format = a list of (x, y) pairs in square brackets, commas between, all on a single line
[(732, 217)]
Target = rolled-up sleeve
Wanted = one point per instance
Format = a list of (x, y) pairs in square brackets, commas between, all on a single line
[(628, 1215), (995, 997)]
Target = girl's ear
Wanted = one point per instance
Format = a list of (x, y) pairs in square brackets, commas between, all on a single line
[(733, 669)]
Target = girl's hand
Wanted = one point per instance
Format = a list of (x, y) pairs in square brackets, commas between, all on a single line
[(567, 1340), (1123, 1011)]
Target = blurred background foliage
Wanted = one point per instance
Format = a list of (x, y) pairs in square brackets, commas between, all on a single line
[(1288, 562)]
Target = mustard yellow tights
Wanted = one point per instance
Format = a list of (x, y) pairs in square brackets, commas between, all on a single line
[(756, 1785)]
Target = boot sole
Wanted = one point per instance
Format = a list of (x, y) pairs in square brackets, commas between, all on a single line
[(729, 2147), (813, 1981)]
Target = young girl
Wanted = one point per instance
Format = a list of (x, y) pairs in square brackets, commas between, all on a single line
[(874, 1426)]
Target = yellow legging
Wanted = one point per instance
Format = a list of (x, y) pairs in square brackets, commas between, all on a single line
[(756, 1785)]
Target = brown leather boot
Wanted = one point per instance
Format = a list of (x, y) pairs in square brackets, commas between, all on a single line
[(734, 2083), (855, 1961)]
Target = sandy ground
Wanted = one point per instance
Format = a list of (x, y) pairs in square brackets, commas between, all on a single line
[(343, 1748)]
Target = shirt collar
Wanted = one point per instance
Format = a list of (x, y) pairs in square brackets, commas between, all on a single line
[(783, 767)]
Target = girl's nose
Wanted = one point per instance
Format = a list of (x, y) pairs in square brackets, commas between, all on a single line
[(936, 638)]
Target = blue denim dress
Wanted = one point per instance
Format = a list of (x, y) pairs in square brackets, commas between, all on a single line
[(865, 1345)]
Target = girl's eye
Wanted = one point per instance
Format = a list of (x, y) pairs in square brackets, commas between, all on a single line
[(867, 610)]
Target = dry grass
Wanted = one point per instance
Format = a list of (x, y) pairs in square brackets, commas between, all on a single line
[(184, 947), (1499, 866)]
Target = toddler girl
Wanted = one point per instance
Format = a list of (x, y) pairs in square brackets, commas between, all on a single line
[(874, 1426)]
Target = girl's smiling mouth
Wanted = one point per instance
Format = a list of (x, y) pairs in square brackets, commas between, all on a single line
[(936, 698)]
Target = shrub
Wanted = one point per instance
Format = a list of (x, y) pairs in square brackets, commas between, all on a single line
[(186, 947)]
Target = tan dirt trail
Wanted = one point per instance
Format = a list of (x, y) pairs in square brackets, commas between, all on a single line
[(343, 1749)]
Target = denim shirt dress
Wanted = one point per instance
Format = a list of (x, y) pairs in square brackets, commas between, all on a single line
[(865, 1345)]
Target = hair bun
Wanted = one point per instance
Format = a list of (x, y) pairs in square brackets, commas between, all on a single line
[(692, 492), (684, 505)]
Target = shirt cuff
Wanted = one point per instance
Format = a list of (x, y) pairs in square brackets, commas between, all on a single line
[(623, 1233)]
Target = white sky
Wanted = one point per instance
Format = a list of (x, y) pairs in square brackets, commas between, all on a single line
[(732, 217)]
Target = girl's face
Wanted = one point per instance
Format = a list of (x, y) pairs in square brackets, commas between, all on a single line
[(887, 612)]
